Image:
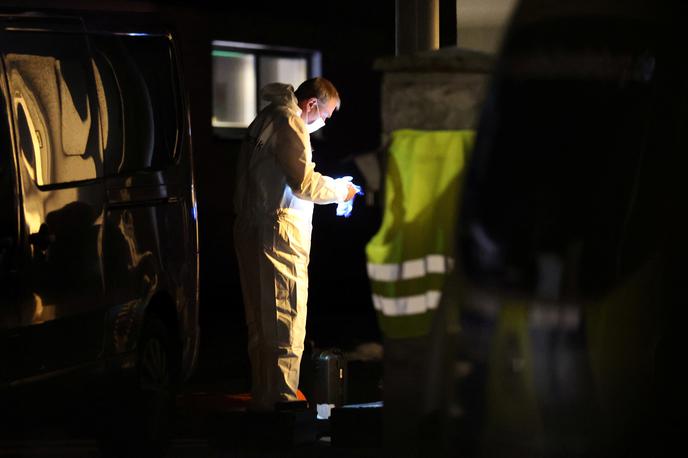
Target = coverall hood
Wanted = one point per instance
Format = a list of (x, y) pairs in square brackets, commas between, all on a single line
[(280, 94)]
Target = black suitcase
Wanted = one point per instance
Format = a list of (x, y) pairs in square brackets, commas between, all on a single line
[(330, 377)]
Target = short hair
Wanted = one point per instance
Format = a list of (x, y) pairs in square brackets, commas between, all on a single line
[(320, 88)]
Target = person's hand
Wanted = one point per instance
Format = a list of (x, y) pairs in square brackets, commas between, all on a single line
[(352, 192)]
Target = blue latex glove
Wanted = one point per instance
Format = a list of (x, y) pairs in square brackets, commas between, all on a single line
[(345, 208)]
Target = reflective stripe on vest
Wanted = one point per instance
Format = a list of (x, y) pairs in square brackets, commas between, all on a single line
[(414, 268), (409, 305)]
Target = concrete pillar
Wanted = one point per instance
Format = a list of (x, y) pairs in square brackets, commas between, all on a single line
[(417, 26)]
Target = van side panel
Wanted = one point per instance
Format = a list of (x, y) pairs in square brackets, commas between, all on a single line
[(55, 116), (150, 237), (99, 132)]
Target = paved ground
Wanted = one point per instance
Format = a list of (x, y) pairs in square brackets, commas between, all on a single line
[(201, 431), (181, 448), (208, 424)]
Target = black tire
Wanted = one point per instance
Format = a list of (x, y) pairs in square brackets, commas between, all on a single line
[(157, 385), (144, 420)]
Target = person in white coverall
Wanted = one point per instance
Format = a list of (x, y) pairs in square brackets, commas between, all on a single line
[(277, 186)]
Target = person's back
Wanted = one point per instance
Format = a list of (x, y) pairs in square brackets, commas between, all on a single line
[(262, 184)]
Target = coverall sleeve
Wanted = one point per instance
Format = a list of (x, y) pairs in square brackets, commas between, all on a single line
[(292, 150)]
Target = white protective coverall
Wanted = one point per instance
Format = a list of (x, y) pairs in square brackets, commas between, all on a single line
[(276, 188)]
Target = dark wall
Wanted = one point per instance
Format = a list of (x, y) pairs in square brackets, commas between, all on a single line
[(350, 36)]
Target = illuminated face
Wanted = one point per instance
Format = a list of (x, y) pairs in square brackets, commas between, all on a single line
[(323, 110)]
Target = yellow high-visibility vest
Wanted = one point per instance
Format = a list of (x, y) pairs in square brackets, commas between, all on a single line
[(411, 254)]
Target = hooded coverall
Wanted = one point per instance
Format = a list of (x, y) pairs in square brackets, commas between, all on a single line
[(276, 188)]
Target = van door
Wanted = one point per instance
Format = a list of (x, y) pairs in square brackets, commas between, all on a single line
[(54, 105), (9, 353), (145, 234)]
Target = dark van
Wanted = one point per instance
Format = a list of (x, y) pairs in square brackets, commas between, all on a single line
[(98, 223)]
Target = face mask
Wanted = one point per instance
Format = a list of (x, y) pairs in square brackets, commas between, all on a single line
[(317, 124)]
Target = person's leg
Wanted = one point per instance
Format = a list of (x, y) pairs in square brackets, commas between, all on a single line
[(291, 322), (248, 250), (289, 258)]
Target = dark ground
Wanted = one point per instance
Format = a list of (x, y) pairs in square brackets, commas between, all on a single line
[(54, 421)]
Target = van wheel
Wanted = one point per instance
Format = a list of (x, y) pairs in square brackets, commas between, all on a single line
[(157, 373), (144, 421)]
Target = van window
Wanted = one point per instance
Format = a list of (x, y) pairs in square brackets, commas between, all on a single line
[(136, 79), (55, 106)]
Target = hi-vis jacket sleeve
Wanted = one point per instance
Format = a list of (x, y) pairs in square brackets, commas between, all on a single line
[(292, 150)]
